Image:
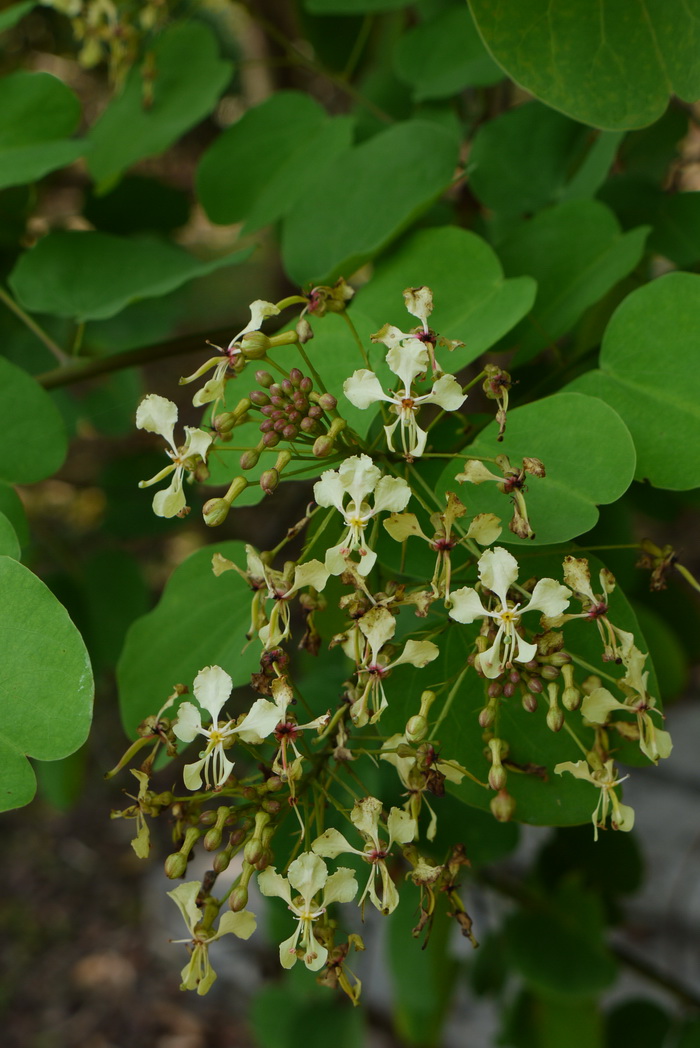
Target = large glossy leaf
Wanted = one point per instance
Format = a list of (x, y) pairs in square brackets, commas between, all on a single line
[(473, 301), (650, 373), (9, 543), (91, 276), (532, 156), (259, 167), (576, 252), (351, 7), (190, 76), (610, 63), (200, 620), (360, 202), (38, 437), (13, 14), (38, 113), (46, 682), (440, 57), (588, 454)]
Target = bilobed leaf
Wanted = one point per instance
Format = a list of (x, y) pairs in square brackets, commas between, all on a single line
[(609, 63), (256, 170), (39, 443), (576, 252), (588, 455), (650, 374), (92, 276), (473, 302), (440, 57), (200, 620), (190, 76), (38, 113), (45, 685), (358, 204)]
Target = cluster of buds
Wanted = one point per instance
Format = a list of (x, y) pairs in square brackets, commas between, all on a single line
[(291, 407)]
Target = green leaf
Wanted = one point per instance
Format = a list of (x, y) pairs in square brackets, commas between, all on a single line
[(359, 203), (650, 374), (14, 14), (38, 113), (559, 948), (609, 63), (287, 1015), (676, 231), (199, 621), (9, 543), (92, 276), (38, 443), (258, 168), (190, 76), (569, 279), (46, 689), (639, 1022), (473, 301), (666, 650), (441, 57), (138, 205), (12, 507), (530, 156), (419, 1015), (588, 454), (542, 1021)]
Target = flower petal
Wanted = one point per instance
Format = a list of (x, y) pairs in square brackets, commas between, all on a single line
[(364, 388), (446, 393), (331, 844), (188, 723), (212, 687), (340, 887), (185, 898), (408, 360), (157, 415), (391, 494), (308, 874), (242, 924), (466, 605), (498, 570), (171, 500), (272, 883), (548, 596)]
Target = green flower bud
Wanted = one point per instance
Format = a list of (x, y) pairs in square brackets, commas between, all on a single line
[(238, 899), (212, 839), (255, 345), (175, 866), (253, 851), (221, 861), (269, 481), (215, 512), (502, 806), (555, 718), (323, 446), (571, 699), (416, 728), (249, 458)]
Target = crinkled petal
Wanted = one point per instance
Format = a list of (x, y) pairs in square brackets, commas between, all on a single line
[(402, 525), (419, 302), (364, 388), (466, 605), (378, 626), (579, 769), (359, 476), (188, 723), (485, 528), (408, 360), (446, 393), (171, 500), (329, 490), (242, 924), (369, 559), (288, 949), (197, 443), (389, 434), (598, 706), (476, 472), (549, 597), (156, 414), (391, 337), (341, 886), (272, 883), (212, 687), (259, 311), (185, 898), (401, 826), (498, 570), (313, 573), (391, 495), (308, 874), (577, 575), (417, 653), (365, 817), (331, 844), (192, 774)]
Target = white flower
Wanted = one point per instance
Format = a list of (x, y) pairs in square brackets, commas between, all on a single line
[(498, 570), (378, 626), (417, 780), (198, 974), (358, 478), (408, 357), (212, 687), (653, 742), (365, 817), (605, 778), (308, 876), (214, 389), (158, 415)]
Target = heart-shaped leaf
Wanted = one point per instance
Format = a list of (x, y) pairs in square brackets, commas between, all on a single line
[(46, 687), (650, 373)]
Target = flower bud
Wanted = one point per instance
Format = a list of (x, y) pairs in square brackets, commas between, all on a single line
[(175, 866), (508, 690), (264, 378), (502, 806), (571, 699), (215, 512), (555, 718), (290, 432), (221, 860), (550, 672), (416, 728), (487, 716), (207, 818), (224, 423), (238, 899), (212, 839), (328, 402), (271, 805), (259, 398), (253, 851), (249, 458), (271, 440), (308, 425), (529, 702), (535, 685), (264, 860), (273, 783), (323, 446), (304, 330), (255, 345), (269, 481)]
